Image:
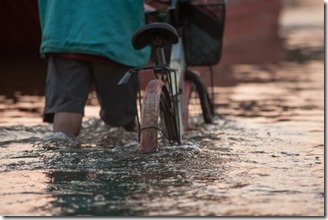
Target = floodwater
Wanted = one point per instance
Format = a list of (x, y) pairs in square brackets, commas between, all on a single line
[(263, 156)]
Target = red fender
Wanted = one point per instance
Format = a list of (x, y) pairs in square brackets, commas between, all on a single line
[(149, 115)]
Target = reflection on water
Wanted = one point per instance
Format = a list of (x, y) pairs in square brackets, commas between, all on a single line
[(263, 157)]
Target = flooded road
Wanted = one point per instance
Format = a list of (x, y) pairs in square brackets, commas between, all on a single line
[(263, 156)]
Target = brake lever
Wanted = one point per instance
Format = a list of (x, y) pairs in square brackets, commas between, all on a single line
[(125, 79)]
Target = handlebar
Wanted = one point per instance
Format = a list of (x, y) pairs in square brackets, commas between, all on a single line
[(158, 5), (169, 10)]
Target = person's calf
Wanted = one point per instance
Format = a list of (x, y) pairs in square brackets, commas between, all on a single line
[(67, 122)]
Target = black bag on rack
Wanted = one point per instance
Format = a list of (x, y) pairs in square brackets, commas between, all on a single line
[(202, 23)]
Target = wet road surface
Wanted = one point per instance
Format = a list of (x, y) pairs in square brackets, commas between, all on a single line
[(263, 156)]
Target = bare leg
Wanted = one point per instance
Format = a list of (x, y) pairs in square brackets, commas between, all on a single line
[(68, 123)]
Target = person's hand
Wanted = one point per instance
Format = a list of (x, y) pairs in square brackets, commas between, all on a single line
[(152, 5)]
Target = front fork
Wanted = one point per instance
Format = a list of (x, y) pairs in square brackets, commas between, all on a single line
[(178, 63)]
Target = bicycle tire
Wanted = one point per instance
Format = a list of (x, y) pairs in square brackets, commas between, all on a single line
[(207, 105), (157, 116)]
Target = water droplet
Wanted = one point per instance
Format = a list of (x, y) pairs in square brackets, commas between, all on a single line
[(99, 198)]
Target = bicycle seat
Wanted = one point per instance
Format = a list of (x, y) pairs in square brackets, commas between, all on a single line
[(155, 35)]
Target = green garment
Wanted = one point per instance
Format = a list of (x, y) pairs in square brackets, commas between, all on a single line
[(97, 27)]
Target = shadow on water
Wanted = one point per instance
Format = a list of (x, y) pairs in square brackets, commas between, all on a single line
[(92, 193), (113, 188)]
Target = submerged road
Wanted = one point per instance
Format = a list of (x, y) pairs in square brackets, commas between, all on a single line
[(263, 157)]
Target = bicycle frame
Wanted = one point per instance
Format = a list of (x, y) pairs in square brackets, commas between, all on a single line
[(171, 74), (177, 67), (169, 77)]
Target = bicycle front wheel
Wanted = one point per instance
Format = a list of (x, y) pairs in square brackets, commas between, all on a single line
[(157, 117), (201, 90)]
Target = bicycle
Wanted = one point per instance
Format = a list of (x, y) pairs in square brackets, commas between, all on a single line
[(164, 108)]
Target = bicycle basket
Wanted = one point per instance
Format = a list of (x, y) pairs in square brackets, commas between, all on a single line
[(202, 23)]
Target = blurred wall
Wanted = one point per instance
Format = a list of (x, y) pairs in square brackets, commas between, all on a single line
[(251, 36), (20, 66), (251, 32)]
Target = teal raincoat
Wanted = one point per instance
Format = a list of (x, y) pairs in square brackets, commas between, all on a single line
[(96, 27)]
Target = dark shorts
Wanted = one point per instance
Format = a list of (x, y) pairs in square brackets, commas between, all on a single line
[(68, 85)]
